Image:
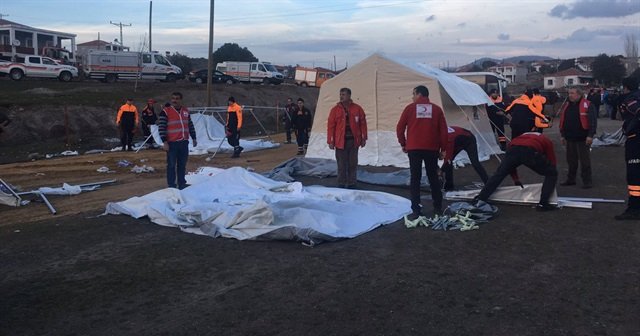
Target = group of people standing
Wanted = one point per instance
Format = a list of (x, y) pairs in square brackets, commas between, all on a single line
[(128, 121)]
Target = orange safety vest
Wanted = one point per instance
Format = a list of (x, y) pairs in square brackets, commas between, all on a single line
[(177, 124), (237, 109), (584, 113)]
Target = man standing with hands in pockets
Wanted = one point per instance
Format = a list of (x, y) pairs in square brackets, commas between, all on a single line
[(346, 132)]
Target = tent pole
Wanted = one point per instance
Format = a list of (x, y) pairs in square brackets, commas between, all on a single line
[(480, 134)]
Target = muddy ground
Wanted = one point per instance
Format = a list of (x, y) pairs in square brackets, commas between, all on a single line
[(570, 272)]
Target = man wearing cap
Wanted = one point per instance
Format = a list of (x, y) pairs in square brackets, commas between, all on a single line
[(149, 117), (127, 120)]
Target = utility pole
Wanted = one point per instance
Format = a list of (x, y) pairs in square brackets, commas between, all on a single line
[(210, 66), (150, 9), (120, 24), (334, 63)]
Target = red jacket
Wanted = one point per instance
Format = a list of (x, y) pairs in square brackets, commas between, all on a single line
[(537, 142), (454, 132), (337, 125), (425, 126)]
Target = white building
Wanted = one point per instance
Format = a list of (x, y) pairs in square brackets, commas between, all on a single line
[(512, 72), (569, 77), (18, 41)]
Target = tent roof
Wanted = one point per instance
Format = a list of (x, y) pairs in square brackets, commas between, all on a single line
[(463, 92)]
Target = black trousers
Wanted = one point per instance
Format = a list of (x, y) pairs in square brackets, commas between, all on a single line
[(578, 153), (287, 128), (468, 144), (632, 157), (430, 159), (347, 160), (234, 137), (517, 156), (126, 133), (302, 137)]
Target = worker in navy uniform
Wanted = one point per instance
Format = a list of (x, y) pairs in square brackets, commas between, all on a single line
[(630, 111)]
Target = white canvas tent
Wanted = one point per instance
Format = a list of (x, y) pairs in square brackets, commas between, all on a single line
[(383, 87)]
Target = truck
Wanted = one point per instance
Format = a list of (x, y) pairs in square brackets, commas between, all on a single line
[(312, 76), (251, 72), (486, 80), (38, 66), (109, 66)]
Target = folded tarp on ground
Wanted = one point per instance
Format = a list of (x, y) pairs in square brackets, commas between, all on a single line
[(210, 134), (236, 203), (616, 138), (322, 168)]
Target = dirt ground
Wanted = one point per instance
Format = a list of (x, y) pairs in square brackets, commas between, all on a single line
[(569, 272)]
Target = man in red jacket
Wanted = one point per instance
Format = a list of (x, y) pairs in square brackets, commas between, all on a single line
[(346, 131), (535, 151), (461, 139), (425, 141)]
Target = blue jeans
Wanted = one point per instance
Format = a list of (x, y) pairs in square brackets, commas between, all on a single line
[(177, 163)]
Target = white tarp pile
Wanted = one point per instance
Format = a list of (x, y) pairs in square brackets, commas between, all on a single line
[(210, 134), (236, 203), (610, 139)]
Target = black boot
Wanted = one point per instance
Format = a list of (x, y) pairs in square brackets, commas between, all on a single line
[(236, 152)]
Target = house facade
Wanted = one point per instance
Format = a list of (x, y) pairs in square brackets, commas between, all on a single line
[(565, 78), (18, 41), (512, 72)]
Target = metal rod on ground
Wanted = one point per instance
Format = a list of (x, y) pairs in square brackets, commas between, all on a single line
[(216, 152), (46, 201), (145, 141)]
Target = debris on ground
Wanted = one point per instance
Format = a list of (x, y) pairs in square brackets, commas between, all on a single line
[(142, 169)]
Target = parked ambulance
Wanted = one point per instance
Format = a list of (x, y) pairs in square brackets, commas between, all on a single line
[(253, 72), (110, 66)]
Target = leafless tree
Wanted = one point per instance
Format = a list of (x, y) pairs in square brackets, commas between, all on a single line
[(631, 50)]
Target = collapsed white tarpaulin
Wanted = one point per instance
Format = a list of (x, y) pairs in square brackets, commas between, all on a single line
[(616, 138), (66, 189), (236, 203), (210, 133)]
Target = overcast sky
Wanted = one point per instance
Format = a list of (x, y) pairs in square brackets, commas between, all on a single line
[(310, 32)]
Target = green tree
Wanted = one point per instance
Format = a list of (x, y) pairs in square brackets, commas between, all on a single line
[(567, 64), (232, 52), (608, 69), (487, 64), (183, 61)]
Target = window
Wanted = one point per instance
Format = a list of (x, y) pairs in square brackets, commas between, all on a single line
[(48, 61), (261, 68), (321, 75), (330, 76), (146, 58), (4, 39), (28, 43), (34, 60), (570, 81), (550, 82), (161, 60), (108, 48), (254, 67)]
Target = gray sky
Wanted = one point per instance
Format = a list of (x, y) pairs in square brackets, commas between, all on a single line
[(310, 32)]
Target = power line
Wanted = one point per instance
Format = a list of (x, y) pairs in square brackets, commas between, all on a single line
[(120, 24)]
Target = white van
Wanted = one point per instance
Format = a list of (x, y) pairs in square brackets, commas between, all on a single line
[(256, 72), (110, 66)]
